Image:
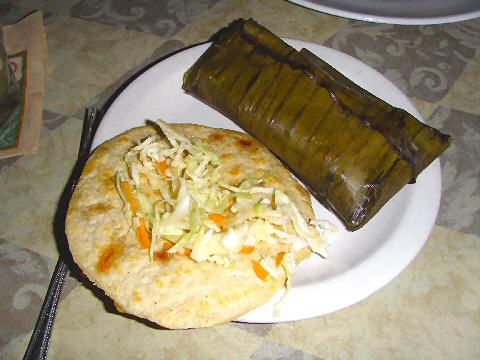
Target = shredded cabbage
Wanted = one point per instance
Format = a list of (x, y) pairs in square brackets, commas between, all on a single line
[(177, 182)]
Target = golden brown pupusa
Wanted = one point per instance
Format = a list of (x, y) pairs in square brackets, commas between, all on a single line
[(177, 292)]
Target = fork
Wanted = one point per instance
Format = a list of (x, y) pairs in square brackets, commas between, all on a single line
[(40, 340)]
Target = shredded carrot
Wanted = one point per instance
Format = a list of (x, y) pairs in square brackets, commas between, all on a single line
[(164, 254), (279, 258), (131, 198), (247, 249), (142, 233), (187, 251), (260, 270), (218, 219), (162, 167), (167, 246)]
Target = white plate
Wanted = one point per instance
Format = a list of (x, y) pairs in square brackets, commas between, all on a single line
[(360, 263), (406, 12)]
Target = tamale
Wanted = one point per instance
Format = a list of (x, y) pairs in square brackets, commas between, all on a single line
[(352, 150)]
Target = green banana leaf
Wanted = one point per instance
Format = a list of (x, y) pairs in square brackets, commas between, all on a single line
[(352, 150)]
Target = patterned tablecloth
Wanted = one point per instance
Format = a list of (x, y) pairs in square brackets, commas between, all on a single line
[(430, 311)]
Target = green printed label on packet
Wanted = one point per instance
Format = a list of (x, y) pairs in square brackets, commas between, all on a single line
[(10, 131)]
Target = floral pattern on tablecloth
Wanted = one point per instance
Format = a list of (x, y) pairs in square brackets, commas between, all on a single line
[(162, 17), (460, 204), (436, 54), (24, 280)]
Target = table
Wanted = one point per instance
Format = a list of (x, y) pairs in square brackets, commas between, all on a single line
[(430, 311)]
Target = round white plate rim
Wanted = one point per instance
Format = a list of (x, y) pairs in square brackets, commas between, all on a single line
[(307, 301), (337, 11)]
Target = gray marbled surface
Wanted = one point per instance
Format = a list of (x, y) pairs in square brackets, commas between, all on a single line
[(430, 311)]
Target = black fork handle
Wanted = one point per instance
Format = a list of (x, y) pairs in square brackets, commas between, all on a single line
[(39, 342)]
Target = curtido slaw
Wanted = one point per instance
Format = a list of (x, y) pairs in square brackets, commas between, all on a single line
[(177, 203)]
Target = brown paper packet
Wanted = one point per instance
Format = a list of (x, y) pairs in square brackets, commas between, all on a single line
[(26, 45)]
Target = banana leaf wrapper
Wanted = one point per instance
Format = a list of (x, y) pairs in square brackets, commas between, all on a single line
[(352, 150)]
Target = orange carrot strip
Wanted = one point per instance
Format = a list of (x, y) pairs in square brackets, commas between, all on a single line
[(218, 219), (187, 251), (247, 249), (260, 270), (279, 258), (142, 233), (164, 254), (130, 195), (167, 246), (162, 167)]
